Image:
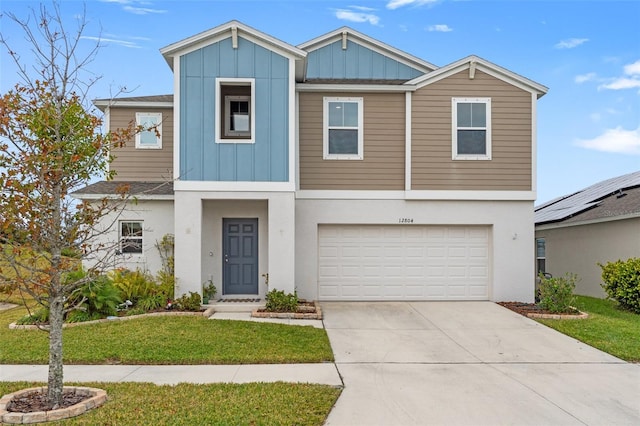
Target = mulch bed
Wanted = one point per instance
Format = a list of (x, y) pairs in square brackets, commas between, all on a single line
[(531, 308), (37, 401)]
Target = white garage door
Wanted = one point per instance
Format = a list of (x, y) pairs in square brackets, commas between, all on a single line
[(403, 262)]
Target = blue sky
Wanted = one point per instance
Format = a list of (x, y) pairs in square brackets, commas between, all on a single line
[(586, 52)]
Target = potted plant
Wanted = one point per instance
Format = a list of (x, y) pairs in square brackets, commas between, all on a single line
[(209, 291)]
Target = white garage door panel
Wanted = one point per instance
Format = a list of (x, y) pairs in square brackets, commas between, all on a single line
[(416, 262)]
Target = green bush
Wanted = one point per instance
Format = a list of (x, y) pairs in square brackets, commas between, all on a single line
[(278, 301), (166, 283), (41, 316), (621, 282), (189, 302), (556, 293), (98, 297), (133, 285)]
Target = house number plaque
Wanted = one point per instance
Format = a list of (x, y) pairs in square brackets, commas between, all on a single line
[(405, 220)]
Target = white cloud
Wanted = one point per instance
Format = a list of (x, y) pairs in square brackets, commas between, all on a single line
[(570, 43), (362, 8), (395, 4), (630, 79), (442, 28), (621, 84), (632, 69), (616, 140), (585, 77), (142, 10), (102, 40), (350, 15)]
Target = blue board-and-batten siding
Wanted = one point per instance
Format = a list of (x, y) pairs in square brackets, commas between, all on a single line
[(355, 62), (201, 158)]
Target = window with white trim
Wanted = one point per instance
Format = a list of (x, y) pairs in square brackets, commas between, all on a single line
[(541, 255), (343, 132), (471, 128), (130, 237), (235, 116), (151, 136)]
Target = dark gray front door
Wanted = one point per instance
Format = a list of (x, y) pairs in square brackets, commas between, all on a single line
[(239, 256)]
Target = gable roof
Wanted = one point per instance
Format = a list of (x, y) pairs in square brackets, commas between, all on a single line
[(473, 63), (371, 43), (227, 30), (615, 197)]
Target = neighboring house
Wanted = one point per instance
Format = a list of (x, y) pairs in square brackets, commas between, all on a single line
[(343, 168), (599, 224)]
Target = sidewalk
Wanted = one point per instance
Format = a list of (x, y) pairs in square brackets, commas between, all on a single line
[(323, 373)]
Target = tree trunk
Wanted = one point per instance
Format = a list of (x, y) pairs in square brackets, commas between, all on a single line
[(54, 392)]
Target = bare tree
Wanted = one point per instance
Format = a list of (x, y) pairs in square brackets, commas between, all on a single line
[(50, 145)]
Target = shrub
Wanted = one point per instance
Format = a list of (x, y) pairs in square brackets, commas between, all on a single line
[(621, 282), (166, 284), (151, 302), (189, 302), (278, 301), (556, 293), (98, 297), (133, 285), (41, 316)]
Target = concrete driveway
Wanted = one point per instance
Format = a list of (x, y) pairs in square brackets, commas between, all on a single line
[(470, 363)]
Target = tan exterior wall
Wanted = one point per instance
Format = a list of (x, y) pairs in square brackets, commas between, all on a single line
[(432, 167), (144, 165), (579, 249), (384, 145)]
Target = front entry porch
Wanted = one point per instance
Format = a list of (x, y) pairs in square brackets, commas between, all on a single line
[(235, 240)]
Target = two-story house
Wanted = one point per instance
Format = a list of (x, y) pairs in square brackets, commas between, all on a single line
[(343, 168)]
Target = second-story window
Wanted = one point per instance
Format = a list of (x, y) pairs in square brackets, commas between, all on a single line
[(151, 136), (471, 134), (343, 132), (235, 116)]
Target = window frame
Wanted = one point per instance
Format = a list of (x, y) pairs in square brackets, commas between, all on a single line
[(542, 258), (140, 122), (222, 106), (455, 129), (325, 128), (122, 237)]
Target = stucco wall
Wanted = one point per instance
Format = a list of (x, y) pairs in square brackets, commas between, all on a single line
[(578, 249), (157, 217)]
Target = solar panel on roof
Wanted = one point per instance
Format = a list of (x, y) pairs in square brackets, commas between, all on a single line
[(554, 211)]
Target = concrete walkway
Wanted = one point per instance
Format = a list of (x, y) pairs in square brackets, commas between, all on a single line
[(325, 373), (470, 363)]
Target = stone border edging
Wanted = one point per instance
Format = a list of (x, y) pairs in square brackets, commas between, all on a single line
[(257, 313), (581, 315), (206, 313), (97, 398)]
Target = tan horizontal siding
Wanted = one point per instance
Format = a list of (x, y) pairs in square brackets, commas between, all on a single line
[(384, 145), (149, 165), (432, 166)]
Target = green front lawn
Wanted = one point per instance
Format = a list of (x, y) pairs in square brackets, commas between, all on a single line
[(608, 328), (220, 404), (168, 340)]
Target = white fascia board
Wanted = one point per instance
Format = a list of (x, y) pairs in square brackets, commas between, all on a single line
[(235, 195), (131, 197), (471, 195), (306, 87), (586, 222), (131, 104), (204, 186), (313, 194), (371, 43), (484, 66), (224, 31)]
